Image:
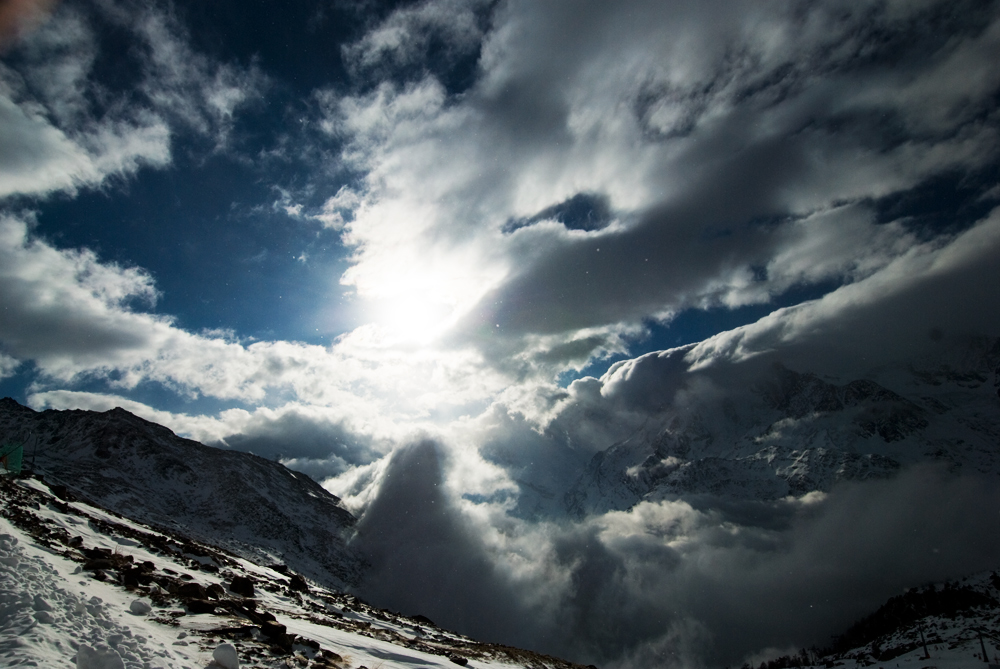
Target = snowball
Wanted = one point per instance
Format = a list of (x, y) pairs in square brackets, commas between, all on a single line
[(140, 608), (100, 658), (225, 656)]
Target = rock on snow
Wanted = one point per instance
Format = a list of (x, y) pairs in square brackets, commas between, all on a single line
[(225, 656), (101, 657)]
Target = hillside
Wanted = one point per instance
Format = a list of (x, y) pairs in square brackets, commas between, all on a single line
[(83, 586), (251, 506)]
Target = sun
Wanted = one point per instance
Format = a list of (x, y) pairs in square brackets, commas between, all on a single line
[(413, 318)]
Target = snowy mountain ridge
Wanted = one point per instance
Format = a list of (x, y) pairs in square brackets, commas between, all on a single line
[(780, 432), (251, 506)]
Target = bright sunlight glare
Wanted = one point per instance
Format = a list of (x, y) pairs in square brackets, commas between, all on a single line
[(413, 319)]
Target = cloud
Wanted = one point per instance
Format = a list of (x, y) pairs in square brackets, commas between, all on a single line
[(82, 321), (935, 286), (427, 558), (188, 86), (405, 39), (56, 137), (63, 129), (668, 583), (8, 365), (735, 154)]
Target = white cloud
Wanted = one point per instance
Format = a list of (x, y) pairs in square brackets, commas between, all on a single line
[(37, 157), (61, 130), (75, 318), (187, 85), (404, 37), (54, 136), (8, 366), (703, 123)]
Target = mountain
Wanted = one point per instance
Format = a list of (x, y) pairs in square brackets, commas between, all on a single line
[(86, 587), (766, 432), (251, 506), (83, 586)]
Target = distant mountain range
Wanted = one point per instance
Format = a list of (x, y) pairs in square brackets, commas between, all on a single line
[(762, 432)]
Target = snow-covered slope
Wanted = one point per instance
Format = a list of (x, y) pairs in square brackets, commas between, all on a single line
[(82, 586), (252, 506), (778, 432)]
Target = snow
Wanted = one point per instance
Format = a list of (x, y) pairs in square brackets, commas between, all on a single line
[(51, 616), (55, 614)]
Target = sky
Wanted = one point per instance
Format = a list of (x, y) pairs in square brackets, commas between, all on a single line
[(400, 245)]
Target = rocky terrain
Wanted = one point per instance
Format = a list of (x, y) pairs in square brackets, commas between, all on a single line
[(251, 506), (85, 587)]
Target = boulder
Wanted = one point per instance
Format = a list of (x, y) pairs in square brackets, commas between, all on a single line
[(226, 657), (96, 553), (298, 584), (101, 657), (196, 605), (241, 585), (139, 607), (272, 628), (192, 590)]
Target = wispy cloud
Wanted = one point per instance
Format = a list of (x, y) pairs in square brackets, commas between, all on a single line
[(64, 130)]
